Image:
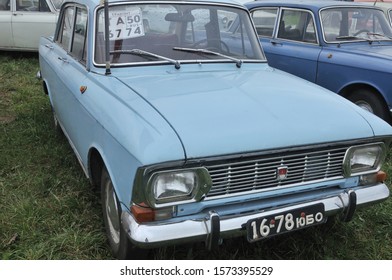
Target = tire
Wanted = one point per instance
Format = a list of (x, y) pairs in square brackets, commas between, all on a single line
[(371, 102), (119, 243)]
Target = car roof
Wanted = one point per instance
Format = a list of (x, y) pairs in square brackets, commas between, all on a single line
[(375, 1), (308, 4), (94, 3)]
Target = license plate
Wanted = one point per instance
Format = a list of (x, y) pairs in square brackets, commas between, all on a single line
[(292, 220)]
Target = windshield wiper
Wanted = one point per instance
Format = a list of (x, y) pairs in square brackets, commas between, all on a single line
[(370, 41), (378, 34), (144, 53), (349, 38), (205, 51)]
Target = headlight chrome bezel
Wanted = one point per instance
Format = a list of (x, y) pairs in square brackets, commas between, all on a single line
[(348, 169), (201, 187)]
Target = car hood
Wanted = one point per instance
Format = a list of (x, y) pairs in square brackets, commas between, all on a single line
[(380, 49), (218, 112)]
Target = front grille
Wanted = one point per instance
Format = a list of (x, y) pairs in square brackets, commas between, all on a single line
[(253, 174)]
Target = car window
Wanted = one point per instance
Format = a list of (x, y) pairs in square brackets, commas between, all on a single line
[(171, 30), (4, 5), (57, 3), (297, 25), (65, 33), (341, 24), (73, 32), (390, 15), (32, 5), (78, 49), (264, 20)]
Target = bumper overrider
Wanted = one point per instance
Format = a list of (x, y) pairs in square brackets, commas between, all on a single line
[(212, 228)]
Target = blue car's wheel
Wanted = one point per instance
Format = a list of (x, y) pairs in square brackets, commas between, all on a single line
[(119, 243), (370, 101)]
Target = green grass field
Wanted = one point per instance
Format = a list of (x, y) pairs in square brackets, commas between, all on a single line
[(48, 209)]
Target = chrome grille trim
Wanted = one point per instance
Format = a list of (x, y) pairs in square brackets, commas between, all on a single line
[(260, 173)]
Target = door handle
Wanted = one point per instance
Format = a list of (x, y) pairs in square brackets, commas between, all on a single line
[(275, 43), (49, 46), (63, 59)]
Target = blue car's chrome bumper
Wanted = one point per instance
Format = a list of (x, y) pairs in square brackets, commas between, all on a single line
[(212, 228)]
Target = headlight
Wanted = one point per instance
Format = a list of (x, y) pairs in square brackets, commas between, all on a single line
[(364, 159), (178, 185)]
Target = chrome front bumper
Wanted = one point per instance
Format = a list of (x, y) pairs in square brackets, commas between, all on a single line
[(213, 228)]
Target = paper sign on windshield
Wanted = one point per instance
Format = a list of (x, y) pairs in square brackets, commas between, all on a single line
[(125, 24)]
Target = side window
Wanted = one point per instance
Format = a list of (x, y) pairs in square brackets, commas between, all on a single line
[(65, 34), (57, 3), (310, 30), (264, 20), (4, 5), (78, 47), (32, 5), (297, 25), (72, 35)]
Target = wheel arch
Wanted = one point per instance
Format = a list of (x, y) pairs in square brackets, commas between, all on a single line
[(349, 93), (95, 165), (45, 87), (47, 90), (348, 90), (96, 160)]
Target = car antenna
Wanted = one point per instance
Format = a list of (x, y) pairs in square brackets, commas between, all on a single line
[(107, 45)]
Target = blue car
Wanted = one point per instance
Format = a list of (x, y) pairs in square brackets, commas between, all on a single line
[(345, 47), (191, 136)]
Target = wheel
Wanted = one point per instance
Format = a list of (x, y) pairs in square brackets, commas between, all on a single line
[(119, 243), (371, 102), (223, 44)]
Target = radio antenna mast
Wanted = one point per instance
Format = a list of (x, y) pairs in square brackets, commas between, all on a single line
[(107, 42)]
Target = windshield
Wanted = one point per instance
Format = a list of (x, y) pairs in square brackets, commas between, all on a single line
[(163, 29), (354, 24)]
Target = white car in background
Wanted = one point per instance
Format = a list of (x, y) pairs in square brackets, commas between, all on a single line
[(23, 22)]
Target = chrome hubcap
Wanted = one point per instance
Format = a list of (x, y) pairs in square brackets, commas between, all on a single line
[(111, 207), (364, 105)]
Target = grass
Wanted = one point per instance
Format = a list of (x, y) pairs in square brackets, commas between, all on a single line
[(49, 210)]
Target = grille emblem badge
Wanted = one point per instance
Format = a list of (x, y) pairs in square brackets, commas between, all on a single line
[(281, 172)]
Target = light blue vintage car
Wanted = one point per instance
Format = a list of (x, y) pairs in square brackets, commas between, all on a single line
[(345, 47), (192, 136)]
